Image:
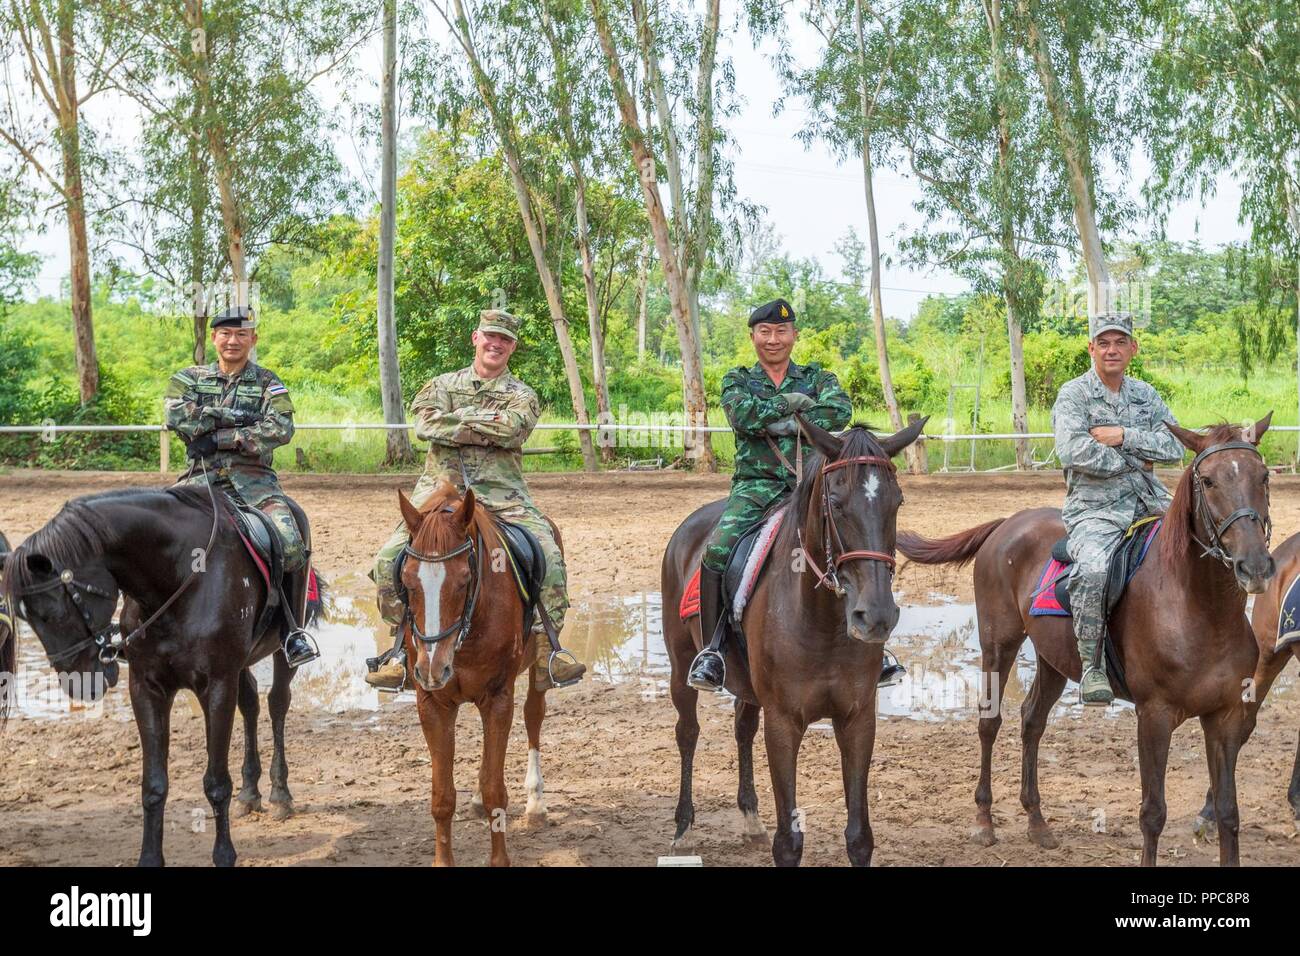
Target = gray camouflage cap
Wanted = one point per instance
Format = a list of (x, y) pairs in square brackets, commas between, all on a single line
[(1110, 322), (499, 321)]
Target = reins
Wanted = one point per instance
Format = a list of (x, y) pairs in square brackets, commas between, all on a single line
[(460, 627), (1216, 549), (831, 538)]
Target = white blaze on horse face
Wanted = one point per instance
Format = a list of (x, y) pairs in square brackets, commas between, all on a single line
[(432, 574), (871, 486)]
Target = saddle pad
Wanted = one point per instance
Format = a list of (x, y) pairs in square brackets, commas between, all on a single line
[(689, 606), (1045, 603), (1288, 616)]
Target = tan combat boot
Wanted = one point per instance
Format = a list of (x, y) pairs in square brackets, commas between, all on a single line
[(566, 668)]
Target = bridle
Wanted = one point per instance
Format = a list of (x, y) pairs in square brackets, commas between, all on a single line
[(1215, 548), (101, 638), (834, 552), (460, 627)]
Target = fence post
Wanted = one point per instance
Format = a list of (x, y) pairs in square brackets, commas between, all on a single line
[(922, 459), (164, 450)]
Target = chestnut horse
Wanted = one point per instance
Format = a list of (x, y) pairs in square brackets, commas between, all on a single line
[(1263, 621), (1180, 629), (465, 643), (815, 626)]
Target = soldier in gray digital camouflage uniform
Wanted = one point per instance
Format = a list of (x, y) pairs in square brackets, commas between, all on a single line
[(1109, 433), (232, 415), (476, 421)]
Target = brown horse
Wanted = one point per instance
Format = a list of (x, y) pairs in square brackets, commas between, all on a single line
[(465, 643), (8, 646), (815, 626), (1181, 631), (1272, 661)]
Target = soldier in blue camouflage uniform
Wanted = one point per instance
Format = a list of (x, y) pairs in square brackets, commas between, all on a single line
[(1109, 431), (232, 415), (476, 420), (760, 402)]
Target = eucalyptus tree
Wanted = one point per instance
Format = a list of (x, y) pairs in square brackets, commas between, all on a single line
[(53, 61), (500, 55), (979, 142), (1225, 97), (849, 91), (234, 87), (674, 121), (1090, 72)]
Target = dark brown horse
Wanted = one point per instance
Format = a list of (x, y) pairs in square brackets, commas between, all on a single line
[(8, 646), (465, 643), (815, 626), (1183, 640), (192, 600), (1272, 661)]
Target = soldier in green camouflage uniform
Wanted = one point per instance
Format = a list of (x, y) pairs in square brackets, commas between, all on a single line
[(476, 425), (760, 402), (1109, 431), (232, 415)]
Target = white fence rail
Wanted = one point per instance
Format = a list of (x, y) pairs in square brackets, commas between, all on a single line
[(164, 439)]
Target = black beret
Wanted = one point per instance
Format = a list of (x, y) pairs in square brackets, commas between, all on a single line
[(778, 310), (240, 316)]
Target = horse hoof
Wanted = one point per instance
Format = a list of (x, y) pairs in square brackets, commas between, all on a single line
[(983, 836), (282, 811), (535, 819), (684, 841), (754, 831), (1044, 838), (242, 808), (1204, 829)]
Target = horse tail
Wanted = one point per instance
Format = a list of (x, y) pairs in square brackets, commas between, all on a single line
[(315, 602), (960, 547)]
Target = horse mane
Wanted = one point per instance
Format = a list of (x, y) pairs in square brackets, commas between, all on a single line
[(436, 536), (78, 535), (1180, 519)]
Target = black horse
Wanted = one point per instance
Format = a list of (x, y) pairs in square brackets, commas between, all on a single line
[(192, 604), (8, 644)]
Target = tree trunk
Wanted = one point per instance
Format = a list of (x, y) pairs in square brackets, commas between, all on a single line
[(698, 444), (877, 304), (83, 325), (198, 265), (536, 240), (599, 378), (642, 294), (1101, 295), (1010, 256), (398, 446)]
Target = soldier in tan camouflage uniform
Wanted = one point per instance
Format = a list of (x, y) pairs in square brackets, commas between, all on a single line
[(232, 415), (1109, 431), (476, 421)]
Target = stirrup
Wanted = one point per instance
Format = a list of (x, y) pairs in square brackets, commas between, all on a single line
[(700, 685), (550, 668), (897, 671), (299, 632)]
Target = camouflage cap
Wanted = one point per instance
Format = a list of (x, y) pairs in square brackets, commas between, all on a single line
[(499, 321), (1110, 322), (238, 316)]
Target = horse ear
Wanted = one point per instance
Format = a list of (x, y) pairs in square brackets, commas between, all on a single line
[(465, 513), (1255, 433), (410, 514), (1193, 441), (821, 439), (39, 565), (901, 439)]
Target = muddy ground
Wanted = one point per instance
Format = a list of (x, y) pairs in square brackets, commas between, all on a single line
[(69, 788)]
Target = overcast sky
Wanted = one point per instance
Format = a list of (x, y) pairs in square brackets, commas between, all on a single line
[(811, 201)]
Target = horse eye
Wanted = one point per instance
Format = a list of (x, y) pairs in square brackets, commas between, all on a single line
[(1207, 482)]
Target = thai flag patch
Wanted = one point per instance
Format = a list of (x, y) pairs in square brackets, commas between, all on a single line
[(277, 388)]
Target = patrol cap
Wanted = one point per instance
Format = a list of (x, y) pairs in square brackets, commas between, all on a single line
[(1110, 322), (499, 321), (778, 310), (237, 316)]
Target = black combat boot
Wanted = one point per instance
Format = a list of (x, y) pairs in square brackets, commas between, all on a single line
[(298, 648), (708, 672)]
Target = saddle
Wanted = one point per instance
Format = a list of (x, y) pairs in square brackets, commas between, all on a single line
[(1051, 596), (264, 546), (744, 568)]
